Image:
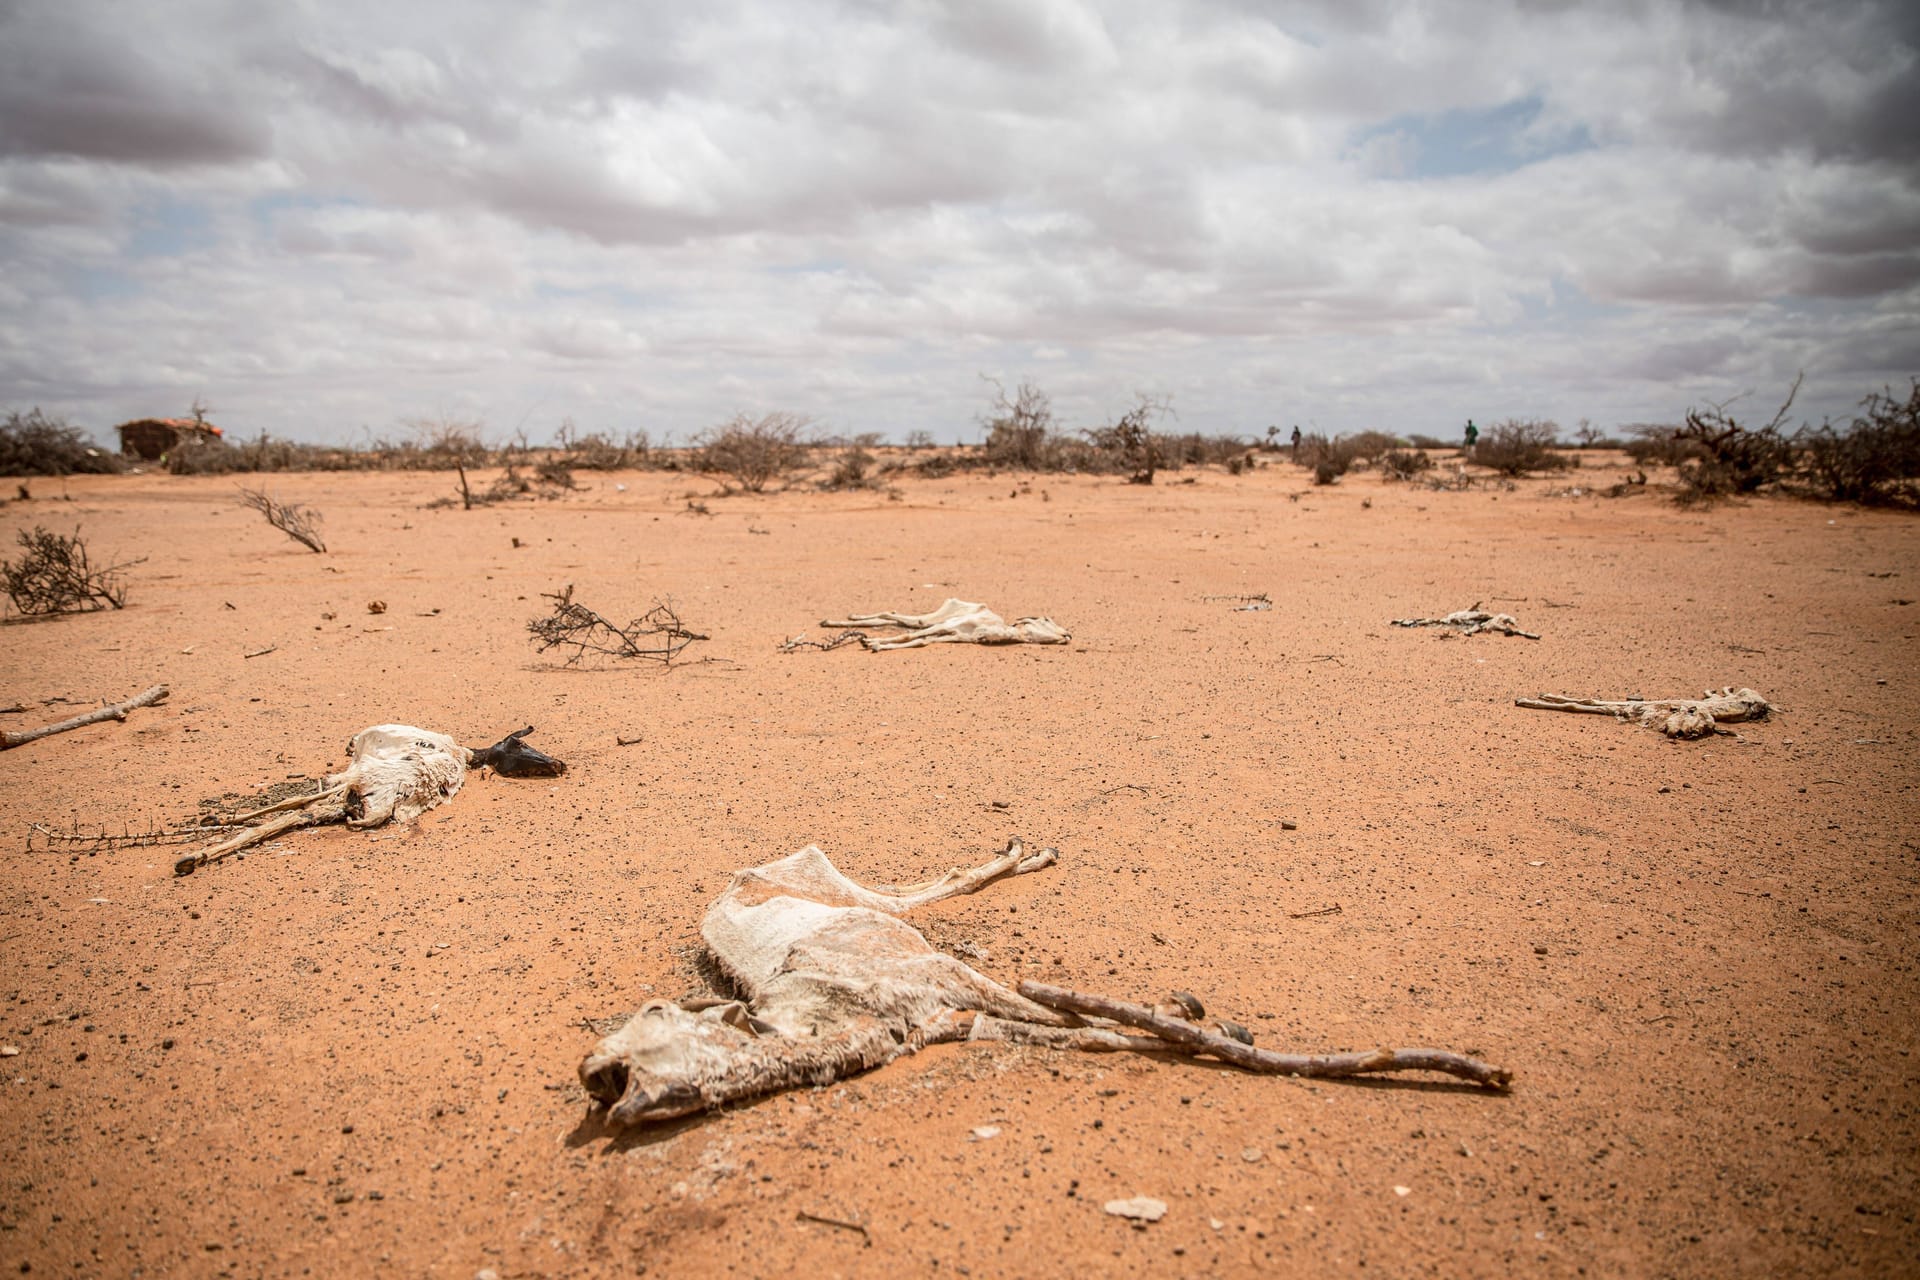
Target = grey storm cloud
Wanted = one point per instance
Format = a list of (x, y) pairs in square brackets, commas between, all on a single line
[(652, 214)]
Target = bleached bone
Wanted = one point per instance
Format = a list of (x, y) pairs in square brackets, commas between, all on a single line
[(1470, 622), (397, 773), (1676, 717), (834, 982), (955, 622)]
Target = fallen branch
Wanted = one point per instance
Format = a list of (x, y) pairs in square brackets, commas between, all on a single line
[(1333, 910), (118, 711), (841, 1223), (657, 634), (261, 653), (1265, 1061)]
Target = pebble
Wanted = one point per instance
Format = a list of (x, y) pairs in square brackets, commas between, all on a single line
[(1140, 1209), (985, 1132), (1251, 1155)]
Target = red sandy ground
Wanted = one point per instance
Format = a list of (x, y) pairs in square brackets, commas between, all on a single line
[(1697, 958)]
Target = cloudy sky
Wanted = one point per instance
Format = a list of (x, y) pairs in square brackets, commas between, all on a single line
[(328, 217)]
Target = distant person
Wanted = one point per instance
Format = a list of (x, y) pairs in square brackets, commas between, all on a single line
[(1296, 444), (1473, 434)]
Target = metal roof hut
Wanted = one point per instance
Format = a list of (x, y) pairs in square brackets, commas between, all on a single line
[(154, 438)]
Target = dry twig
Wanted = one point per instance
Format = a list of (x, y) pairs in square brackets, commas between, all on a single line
[(658, 634), (302, 524), (118, 711), (55, 576)]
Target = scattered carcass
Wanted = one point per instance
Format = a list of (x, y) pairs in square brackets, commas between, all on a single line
[(954, 622), (397, 772), (1470, 622), (828, 981), (1676, 717)]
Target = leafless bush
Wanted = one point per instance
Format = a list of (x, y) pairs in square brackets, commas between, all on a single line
[(35, 444), (1733, 459), (597, 452), (919, 439), (1327, 459), (1592, 437), (302, 524), (1429, 442), (1195, 450), (57, 576), (853, 469), (1518, 445), (657, 635), (755, 451), (1404, 464), (1876, 459), (203, 456), (1130, 441), (1020, 434), (1655, 444), (1368, 447)]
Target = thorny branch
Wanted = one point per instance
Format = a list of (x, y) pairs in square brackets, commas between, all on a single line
[(55, 576), (658, 634), (792, 643)]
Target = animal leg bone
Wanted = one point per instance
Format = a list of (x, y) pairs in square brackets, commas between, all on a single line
[(1325, 1065), (1676, 717)]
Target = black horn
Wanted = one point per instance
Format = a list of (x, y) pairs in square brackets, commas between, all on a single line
[(512, 758)]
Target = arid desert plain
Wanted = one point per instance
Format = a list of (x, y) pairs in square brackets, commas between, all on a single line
[(354, 1053)]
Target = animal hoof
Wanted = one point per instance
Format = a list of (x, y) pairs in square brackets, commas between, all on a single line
[(1235, 1031), (185, 866), (1190, 1007)]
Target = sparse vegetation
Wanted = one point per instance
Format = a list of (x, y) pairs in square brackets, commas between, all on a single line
[(756, 451), (1404, 464), (1876, 459), (1654, 444), (1020, 433), (56, 575), (36, 444), (302, 524), (1520, 445), (1130, 441)]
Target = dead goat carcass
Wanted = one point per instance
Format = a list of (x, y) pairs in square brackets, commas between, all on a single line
[(954, 622), (397, 773), (1676, 717), (831, 981), (1470, 622)]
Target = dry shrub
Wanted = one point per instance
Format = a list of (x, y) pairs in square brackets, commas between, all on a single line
[(1733, 459), (1520, 445), (755, 451), (1129, 443), (1429, 442), (1368, 447), (1653, 444), (35, 444), (203, 456), (57, 576), (1327, 459), (1876, 459), (1403, 464), (1020, 434)]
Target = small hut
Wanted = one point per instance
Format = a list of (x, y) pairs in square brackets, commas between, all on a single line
[(154, 438)]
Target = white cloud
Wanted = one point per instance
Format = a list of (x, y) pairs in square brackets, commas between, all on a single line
[(652, 215)]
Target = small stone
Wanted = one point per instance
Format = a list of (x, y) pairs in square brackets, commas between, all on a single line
[(1403, 1191), (488, 1273), (1001, 804), (1139, 1209), (985, 1132), (9, 1050), (166, 1044), (1251, 1155), (1539, 951), (346, 1128), (343, 1197)]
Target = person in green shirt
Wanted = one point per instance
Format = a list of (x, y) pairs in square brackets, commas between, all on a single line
[(1473, 434)]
